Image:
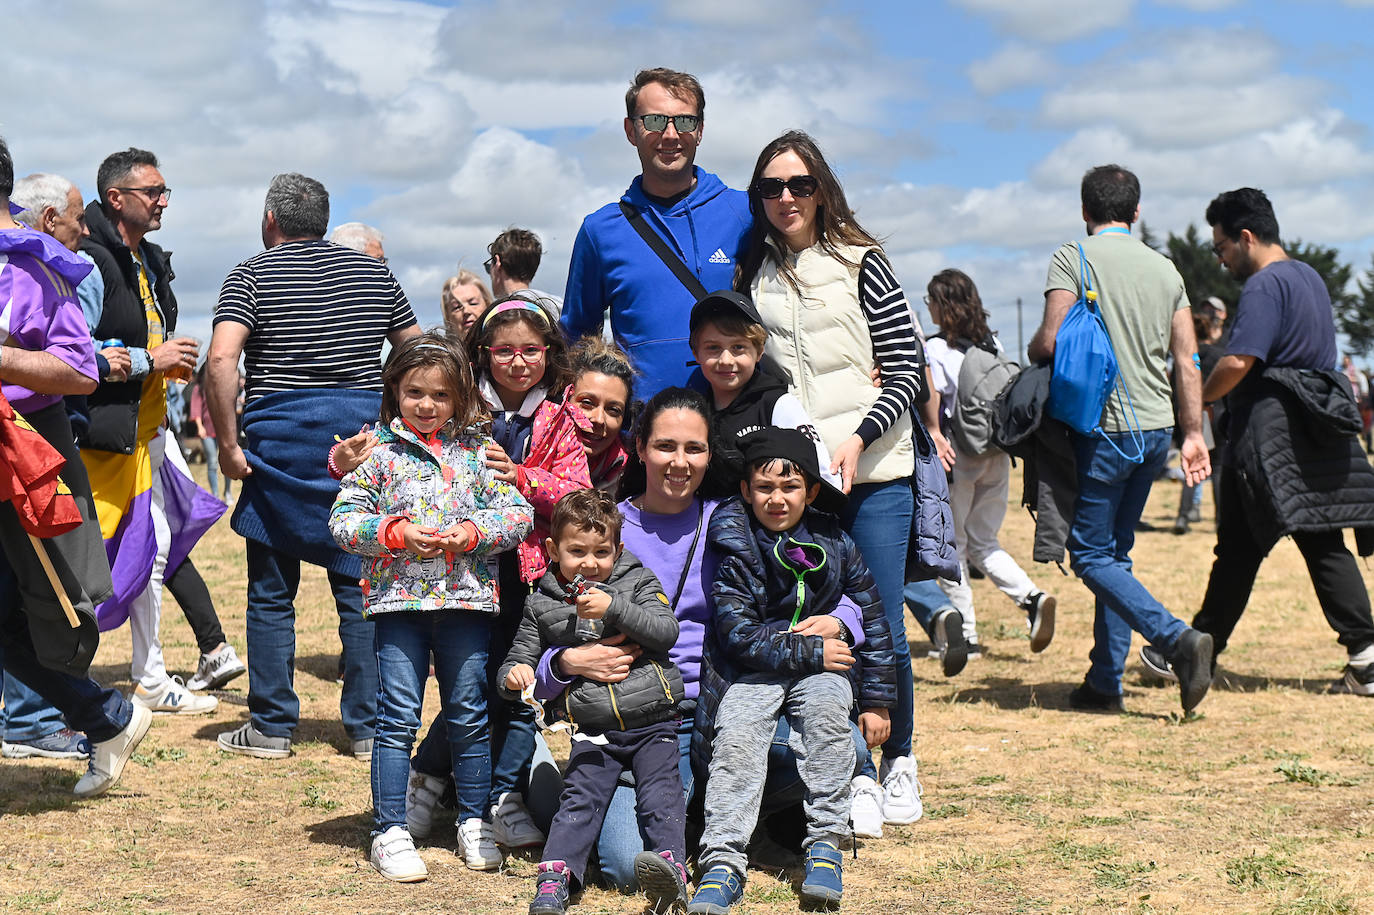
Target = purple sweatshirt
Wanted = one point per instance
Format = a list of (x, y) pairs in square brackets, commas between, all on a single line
[(38, 280), (662, 543)]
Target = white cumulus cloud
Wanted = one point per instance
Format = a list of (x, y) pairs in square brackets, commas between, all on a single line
[(1053, 20), (1013, 66)]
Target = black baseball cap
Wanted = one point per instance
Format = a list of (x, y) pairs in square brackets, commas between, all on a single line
[(796, 446), (724, 302)]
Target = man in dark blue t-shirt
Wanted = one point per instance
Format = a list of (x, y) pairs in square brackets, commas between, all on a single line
[(1283, 320)]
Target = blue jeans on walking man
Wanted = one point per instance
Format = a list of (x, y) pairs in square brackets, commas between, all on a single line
[(1112, 491), (26, 715), (270, 617)]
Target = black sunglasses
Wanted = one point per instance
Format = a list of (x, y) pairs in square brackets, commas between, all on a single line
[(799, 185), (682, 123), (154, 192)]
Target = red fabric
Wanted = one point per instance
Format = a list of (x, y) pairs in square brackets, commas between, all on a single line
[(555, 466), (391, 534), (474, 536), (29, 469)]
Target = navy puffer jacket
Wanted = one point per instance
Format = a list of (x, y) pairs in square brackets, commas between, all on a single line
[(755, 597)]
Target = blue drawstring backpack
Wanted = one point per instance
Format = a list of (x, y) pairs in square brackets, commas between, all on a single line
[(1085, 370)]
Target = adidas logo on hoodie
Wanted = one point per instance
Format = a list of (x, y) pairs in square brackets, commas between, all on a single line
[(720, 257)]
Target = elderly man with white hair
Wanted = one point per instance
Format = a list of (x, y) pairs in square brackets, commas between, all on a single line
[(29, 724), (360, 237), (53, 205)]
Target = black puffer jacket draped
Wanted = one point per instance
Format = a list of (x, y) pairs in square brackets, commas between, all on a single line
[(1293, 442)]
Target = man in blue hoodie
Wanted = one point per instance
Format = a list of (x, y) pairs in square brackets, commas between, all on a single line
[(703, 222)]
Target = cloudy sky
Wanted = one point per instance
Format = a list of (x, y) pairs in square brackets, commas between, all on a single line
[(960, 128)]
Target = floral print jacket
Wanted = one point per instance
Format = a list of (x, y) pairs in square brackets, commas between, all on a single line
[(439, 481)]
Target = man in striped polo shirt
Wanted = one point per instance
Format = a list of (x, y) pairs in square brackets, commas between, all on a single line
[(309, 318)]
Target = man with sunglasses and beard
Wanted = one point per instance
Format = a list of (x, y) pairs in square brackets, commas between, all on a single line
[(702, 223), (124, 444)]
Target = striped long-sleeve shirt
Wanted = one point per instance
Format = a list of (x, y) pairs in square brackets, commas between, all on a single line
[(896, 346), (317, 313)]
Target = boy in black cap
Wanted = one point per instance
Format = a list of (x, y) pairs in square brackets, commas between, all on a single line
[(749, 391), (784, 567)]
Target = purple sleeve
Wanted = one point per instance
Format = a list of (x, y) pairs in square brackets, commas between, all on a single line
[(547, 682), (848, 612), (42, 315)]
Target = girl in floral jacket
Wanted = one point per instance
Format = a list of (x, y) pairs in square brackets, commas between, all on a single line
[(427, 511)]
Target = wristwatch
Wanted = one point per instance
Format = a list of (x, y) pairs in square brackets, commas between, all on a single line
[(845, 634)]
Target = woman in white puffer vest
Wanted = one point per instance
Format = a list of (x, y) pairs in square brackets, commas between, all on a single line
[(833, 309)]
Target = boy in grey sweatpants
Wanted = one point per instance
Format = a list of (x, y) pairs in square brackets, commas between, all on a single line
[(783, 568)]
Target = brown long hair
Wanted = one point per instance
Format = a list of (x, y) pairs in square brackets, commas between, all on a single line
[(961, 308), (433, 349), (835, 221)]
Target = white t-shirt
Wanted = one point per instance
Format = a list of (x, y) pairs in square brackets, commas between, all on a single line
[(945, 363)]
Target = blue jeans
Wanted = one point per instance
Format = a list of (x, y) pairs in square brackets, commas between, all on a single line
[(404, 640), (1111, 496), (86, 705), (925, 599), (878, 517), (26, 716), (210, 446), (275, 710)]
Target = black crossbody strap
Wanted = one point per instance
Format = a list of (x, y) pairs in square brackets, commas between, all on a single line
[(691, 553), (660, 247)]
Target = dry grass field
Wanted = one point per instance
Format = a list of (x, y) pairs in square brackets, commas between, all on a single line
[(1262, 803)]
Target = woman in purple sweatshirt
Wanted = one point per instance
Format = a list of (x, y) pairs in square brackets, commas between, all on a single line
[(665, 527)]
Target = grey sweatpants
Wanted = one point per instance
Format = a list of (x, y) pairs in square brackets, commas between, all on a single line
[(818, 708)]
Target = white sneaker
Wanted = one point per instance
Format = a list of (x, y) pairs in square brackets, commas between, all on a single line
[(422, 797), (173, 696), (511, 823), (216, 669), (901, 791), (866, 808), (394, 856), (476, 846), (109, 756)]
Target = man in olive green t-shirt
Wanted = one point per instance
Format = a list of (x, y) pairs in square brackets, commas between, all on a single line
[(1147, 316)]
